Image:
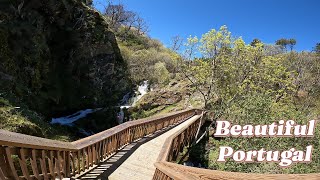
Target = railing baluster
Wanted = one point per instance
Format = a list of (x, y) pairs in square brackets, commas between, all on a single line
[(94, 154), (90, 156), (23, 164), (78, 161), (67, 163), (58, 163), (5, 170), (73, 163), (34, 164), (11, 164), (64, 164), (51, 165), (2, 176), (43, 164)]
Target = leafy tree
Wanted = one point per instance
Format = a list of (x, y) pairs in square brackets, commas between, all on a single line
[(231, 69), (284, 43), (255, 42), (292, 43), (161, 74)]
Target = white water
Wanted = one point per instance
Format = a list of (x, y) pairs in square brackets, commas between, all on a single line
[(142, 90), (68, 120), (125, 102)]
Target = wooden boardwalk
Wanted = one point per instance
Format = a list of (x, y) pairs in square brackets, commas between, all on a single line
[(123, 152), (136, 160)]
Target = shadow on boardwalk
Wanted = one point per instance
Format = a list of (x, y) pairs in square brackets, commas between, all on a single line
[(106, 168)]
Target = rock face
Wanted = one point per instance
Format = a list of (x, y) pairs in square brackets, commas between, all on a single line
[(59, 56)]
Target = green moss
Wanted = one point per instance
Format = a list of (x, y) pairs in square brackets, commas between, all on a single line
[(22, 120)]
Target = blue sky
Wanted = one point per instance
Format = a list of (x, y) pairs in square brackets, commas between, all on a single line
[(267, 20)]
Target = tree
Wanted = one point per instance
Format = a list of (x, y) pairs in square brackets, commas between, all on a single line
[(292, 43), (176, 43), (286, 42), (118, 16), (317, 48), (230, 70), (141, 26), (161, 74), (282, 43), (255, 42)]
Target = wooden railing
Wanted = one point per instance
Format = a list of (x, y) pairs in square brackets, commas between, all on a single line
[(28, 157), (167, 169)]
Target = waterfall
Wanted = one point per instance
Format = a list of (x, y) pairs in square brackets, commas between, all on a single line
[(68, 120), (125, 102)]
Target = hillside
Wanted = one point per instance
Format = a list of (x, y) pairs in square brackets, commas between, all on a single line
[(56, 57)]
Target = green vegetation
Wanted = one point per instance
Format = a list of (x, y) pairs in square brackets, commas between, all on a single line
[(57, 57), (285, 43), (62, 56), (25, 121), (246, 84), (147, 58)]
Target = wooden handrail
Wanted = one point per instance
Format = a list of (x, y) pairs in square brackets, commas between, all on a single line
[(174, 144), (175, 140), (8, 138), (179, 172), (28, 157)]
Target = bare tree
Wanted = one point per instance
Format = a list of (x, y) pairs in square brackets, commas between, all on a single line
[(141, 26), (176, 43), (118, 16)]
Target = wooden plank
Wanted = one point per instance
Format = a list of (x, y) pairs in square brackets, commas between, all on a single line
[(58, 164), (64, 163), (104, 149), (2, 176), (4, 170), (23, 164), (100, 156), (34, 164), (78, 162), (85, 153), (4, 166), (67, 163), (43, 164), (90, 156), (73, 163), (51, 165), (25, 141), (180, 172), (94, 154), (11, 164)]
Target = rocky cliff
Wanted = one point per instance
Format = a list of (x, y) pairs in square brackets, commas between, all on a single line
[(59, 56)]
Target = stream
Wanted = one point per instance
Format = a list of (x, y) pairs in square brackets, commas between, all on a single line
[(126, 102)]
